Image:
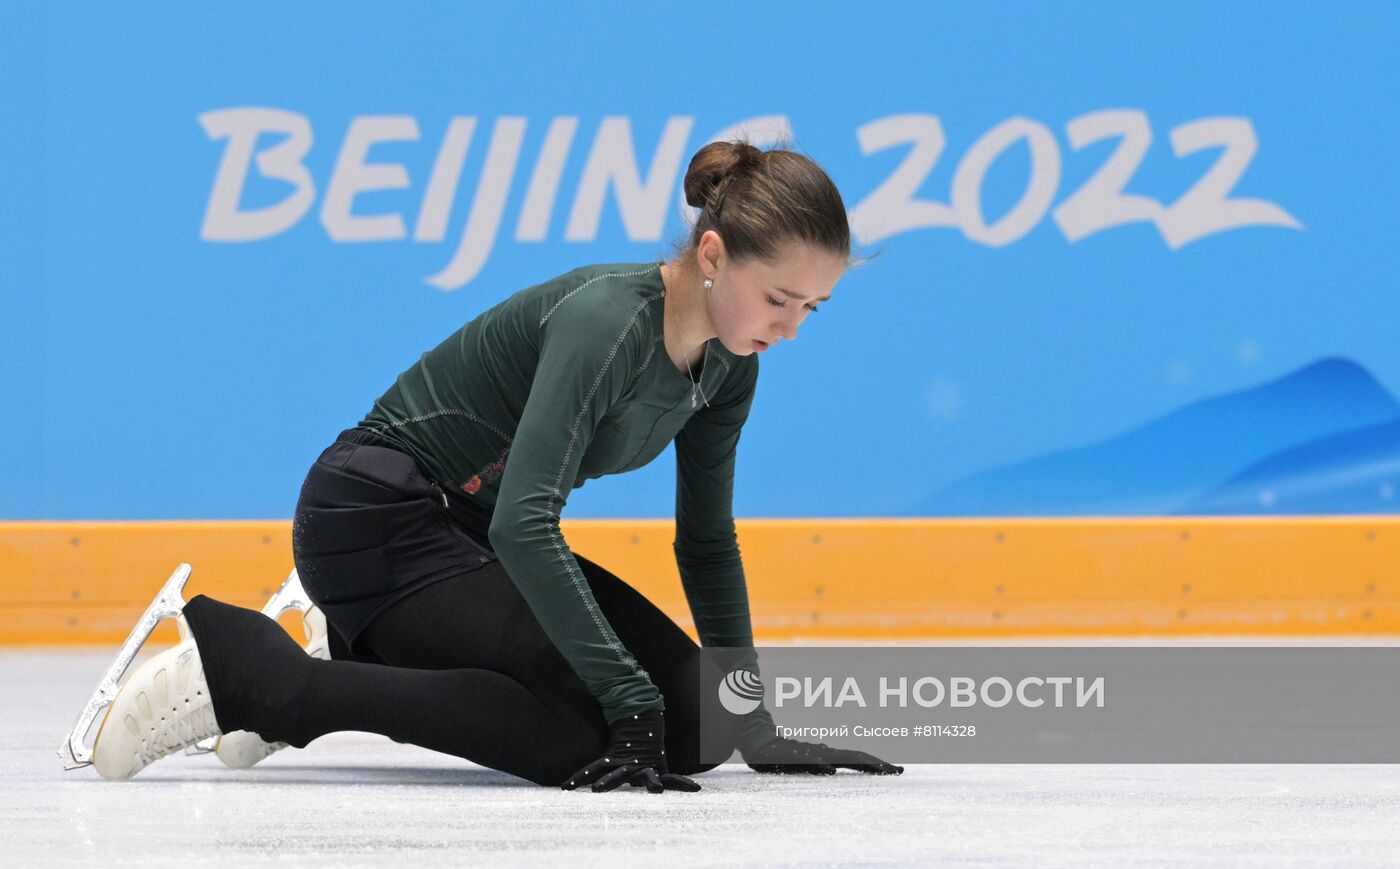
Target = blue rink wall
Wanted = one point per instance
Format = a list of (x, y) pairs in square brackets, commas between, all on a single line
[(1132, 260)]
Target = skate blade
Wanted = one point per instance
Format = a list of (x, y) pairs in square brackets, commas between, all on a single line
[(75, 751), (289, 596)]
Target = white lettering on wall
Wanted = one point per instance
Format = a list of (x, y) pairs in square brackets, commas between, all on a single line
[(442, 184), (1204, 209), (1101, 202), (613, 161), (488, 205), (353, 175), (544, 183), (892, 207), (1044, 181), (223, 221), (899, 203)]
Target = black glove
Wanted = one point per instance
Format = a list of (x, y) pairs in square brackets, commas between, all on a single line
[(782, 755), (636, 755)]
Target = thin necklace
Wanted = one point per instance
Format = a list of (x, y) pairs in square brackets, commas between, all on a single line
[(694, 385)]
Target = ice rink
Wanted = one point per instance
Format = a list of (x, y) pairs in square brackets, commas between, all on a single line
[(361, 800)]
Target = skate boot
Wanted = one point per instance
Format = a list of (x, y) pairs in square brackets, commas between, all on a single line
[(241, 749), (163, 708)]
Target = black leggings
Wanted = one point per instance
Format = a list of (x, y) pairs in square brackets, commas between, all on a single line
[(460, 665), (467, 671)]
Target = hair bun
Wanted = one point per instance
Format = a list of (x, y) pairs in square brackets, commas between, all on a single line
[(754, 201), (712, 165)]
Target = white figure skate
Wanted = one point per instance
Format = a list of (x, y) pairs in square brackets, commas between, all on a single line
[(241, 749), (162, 708)]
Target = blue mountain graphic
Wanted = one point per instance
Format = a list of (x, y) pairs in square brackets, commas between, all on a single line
[(1356, 471), (1167, 464)]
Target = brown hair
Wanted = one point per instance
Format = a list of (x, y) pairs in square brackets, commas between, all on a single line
[(760, 200)]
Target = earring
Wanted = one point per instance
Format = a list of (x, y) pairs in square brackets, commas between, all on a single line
[(709, 283)]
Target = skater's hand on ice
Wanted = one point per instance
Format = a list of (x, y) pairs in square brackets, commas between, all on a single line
[(782, 755), (636, 755)]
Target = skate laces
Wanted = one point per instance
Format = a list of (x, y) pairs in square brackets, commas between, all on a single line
[(183, 727), (187, 729)]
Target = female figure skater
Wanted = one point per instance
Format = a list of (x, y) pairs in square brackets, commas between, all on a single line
[(428, 534)]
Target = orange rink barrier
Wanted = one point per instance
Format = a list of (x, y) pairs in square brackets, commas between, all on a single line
[(813, 579)]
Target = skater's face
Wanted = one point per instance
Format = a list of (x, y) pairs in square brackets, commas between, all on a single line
[(756, 303)]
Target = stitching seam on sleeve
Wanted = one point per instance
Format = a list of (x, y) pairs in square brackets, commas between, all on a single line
[(560, 548), (595, 278)]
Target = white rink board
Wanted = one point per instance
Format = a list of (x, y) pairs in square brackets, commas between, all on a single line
[(361, 800)]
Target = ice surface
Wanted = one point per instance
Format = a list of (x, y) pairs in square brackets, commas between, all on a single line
[(361, 800)]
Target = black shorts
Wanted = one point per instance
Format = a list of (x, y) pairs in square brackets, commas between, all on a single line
[(371, 527)]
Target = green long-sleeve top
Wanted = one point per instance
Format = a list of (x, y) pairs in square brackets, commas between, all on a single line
[(558, 384)]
